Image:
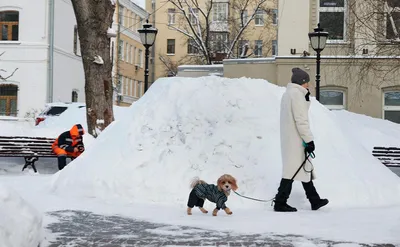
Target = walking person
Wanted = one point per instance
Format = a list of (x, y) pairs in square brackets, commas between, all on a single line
[(296, 141)]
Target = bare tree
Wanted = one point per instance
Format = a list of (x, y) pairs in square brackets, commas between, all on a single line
[(94, 17), (207, 30), (9, 75)]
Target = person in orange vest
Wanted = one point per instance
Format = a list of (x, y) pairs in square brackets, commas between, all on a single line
[(69, 144)]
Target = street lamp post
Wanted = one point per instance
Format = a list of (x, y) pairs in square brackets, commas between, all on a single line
[(318, 41), (147, 36)]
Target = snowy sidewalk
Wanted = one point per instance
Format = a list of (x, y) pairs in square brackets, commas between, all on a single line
[(82, 228)]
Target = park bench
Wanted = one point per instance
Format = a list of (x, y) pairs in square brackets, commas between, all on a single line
[(30, 148), (389, 156)]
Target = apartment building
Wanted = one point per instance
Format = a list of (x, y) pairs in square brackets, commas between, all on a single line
[(128, 67), (175, 44), (360, 65), (39, 42)]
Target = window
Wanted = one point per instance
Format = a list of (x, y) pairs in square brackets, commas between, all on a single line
[(392, 12), (170, 46), (391, 106), (9, 23), (129, 93), (134, 55), (140, 57), (74, 96), (258, 48), (171, 16), (120, 79), (128, 53), (126, 85), (274, 48), (8, 100), (141, 88), (275, 16), (242, 50), (121, 15), (332, 99), (219, 42), (77, 45), (193, 16), (219, 11), (133, 92), (192, 47), (259, 17), (244, 18), (332, 18), (138, 85), (120, 47)]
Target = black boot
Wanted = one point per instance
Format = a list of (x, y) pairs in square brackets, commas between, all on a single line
[(62, 162), (313, 197), (284, 190)]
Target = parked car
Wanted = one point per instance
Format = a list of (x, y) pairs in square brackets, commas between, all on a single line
[(56, 109)]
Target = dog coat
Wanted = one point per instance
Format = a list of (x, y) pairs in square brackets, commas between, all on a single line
[(211, 193)]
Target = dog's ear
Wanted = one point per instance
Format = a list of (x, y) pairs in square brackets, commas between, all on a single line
[(219, 181), (234, 184)]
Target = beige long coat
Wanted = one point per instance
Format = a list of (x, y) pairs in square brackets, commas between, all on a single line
[(294, 128)]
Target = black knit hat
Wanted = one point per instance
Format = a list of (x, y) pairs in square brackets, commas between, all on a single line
[(299, 76)]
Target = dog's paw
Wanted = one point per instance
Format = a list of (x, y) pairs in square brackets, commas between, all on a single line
[(203, 210), (228, 211), (189, 211), (215, 211)]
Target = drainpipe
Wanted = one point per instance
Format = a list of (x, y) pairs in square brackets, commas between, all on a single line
[(118, 84), (153, 49), (50, 53)]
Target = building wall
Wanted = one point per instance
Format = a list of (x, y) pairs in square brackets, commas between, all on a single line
[(28, 54), (293, 26), (267, 33), (360, 96), (68, 75), (129, 55)]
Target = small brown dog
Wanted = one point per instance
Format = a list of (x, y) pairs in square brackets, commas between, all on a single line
[(214, 193)]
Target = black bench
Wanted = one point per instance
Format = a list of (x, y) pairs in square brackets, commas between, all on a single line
[(389, 156), (31, 148)]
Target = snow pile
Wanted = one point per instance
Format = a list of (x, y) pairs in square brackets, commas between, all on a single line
[(370, 131), (187, 127), (20, 223)]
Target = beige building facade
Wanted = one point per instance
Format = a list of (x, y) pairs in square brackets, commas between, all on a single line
[(128, 52), (174, 47), (360, 65)]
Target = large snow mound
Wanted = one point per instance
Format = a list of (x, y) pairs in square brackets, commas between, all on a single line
[(20, 223), (373, 132), (187, 127)]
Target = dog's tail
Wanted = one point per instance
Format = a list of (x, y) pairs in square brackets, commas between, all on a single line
[(196, 181)]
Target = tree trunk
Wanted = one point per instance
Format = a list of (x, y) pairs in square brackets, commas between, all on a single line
[(94, 17)]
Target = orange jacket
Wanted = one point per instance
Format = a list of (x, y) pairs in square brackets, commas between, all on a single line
[(70, 139)]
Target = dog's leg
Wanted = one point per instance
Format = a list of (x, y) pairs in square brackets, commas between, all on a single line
[(189, 211), (203, 210), (228, 211), (215, 211)]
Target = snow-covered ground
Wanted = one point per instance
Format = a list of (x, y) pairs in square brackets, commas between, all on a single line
[(20, 223), (142, 164)]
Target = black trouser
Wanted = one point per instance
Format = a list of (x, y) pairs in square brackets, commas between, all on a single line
[(62, 162), (194, 200), (285, 188)]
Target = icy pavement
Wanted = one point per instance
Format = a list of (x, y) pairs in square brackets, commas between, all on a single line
[(82, 228)]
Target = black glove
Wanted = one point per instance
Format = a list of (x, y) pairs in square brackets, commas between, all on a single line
[(310, 147), (81, 148)]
